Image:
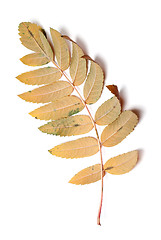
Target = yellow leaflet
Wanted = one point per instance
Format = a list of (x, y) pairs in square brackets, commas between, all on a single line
[(48, 93), (46, 45), (40, 76), (88, 175), (74, 125), (34, 59), (61, 108), (61, 49), (78, 65), (119, 129), (108, 111), (122, 163), (82, 147), (94, 84), (30, 37)]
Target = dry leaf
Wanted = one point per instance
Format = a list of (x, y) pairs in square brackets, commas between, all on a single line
[(61, 108), (74, 125), (40, 76), (63, 105), (94, 84), (88, 175), (46, 45), (122, 163), (82, 147), (61, 49), (78, 65), (114, 90), (108, 111), (119, 129), (34, 59), (30, 37), (48, 93)]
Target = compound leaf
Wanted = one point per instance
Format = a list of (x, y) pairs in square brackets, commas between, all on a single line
[(88, 175), (108, 111), (82, 147), (119, 129), (94, 83), (73, 125), (48, 93), (62, 105), (40, 76), (61, 108), (122, 163), (61, 49)]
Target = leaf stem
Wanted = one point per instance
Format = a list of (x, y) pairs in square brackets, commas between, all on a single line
[(98, 138), (102, 175)]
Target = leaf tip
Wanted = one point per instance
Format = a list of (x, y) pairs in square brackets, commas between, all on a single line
[(18, 77), (32, 114), (50, 151), (20, 96), (72, 182), (40, 128), (22, 60), (51, 29)]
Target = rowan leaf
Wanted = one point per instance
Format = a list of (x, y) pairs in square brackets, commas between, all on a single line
[(40, 76), (62, 105), (108, 111), (114, 90), (61, 108), (88, 175), (61, 49), (34, 59), (93, 84), (70, 126), (82, 147), (48, 93), (30, 37), (46, 45), (122, 163), (119, 129)]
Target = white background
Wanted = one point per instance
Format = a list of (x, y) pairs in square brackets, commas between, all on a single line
[(36, 200)]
